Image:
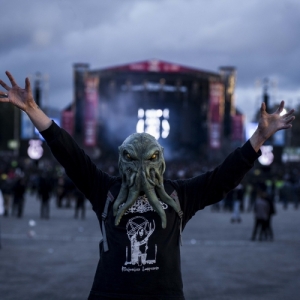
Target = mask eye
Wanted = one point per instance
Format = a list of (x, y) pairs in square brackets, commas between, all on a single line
[(127, 155), (154, 156)]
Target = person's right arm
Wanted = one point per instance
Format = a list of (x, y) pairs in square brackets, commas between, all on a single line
[(23, 99), (77, 164)]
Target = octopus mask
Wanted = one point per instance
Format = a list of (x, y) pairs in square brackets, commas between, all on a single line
[(141, 166)]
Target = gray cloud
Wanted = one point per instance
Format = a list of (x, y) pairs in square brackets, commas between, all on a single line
[(260, 38)]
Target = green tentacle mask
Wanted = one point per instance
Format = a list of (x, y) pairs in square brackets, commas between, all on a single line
[(141, 166)]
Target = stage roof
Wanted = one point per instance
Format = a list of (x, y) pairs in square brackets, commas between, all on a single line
[(156, 66)]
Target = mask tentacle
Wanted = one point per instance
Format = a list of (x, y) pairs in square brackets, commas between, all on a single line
[(159, 187), (166, 198), (127, 182), (134, 191), (132, 197), (121, 198), (132, 178), (124, 191), (152, 198), (152, 178), (157, 206)]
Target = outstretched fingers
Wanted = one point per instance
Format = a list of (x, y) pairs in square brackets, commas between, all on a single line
[(280, 108), (288, 121), (263, 107), (11, 79), (4, 85), (288, 114), (4, 96), (288, 117), (27, 84)]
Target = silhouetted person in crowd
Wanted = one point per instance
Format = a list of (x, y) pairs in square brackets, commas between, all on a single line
[(19, 189), (33, 183), (79, 204), (228, 201), (271, 198), (142, 214), (238, 198), (269, 227), (263, 211), (45, 187), (252, 196), (60, 190), (297, 194), (287, 192), (65, 189), (6, 188), (68, 191)]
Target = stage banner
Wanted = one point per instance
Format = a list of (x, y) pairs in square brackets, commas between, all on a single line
[(216, 111), (237, 128), (67, 121), (91, 111)]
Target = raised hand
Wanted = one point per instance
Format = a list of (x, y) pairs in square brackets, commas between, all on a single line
[(268, 124), (21, 98)]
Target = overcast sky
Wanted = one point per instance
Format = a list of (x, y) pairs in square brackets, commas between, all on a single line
[(259, 37)]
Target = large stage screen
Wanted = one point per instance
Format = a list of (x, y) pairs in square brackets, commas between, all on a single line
[(166, 114)]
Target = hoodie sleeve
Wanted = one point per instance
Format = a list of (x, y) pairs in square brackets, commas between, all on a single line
[(211, 187), (90, 180)]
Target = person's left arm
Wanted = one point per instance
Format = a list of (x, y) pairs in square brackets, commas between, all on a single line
[(211, 187)]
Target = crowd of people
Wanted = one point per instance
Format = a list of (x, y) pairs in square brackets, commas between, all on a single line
[(47, 181)]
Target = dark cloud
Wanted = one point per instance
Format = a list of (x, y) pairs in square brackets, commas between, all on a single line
[(259, 38)]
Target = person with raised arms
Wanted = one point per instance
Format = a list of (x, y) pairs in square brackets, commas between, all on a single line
[(140, 202)]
